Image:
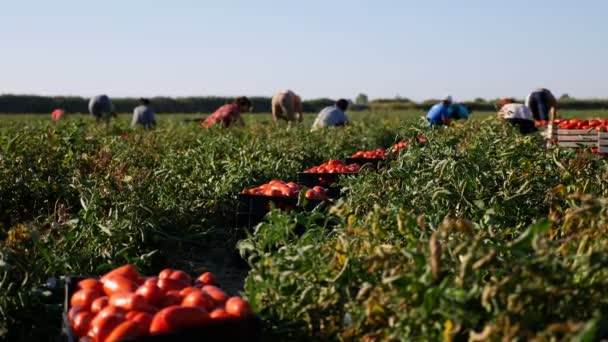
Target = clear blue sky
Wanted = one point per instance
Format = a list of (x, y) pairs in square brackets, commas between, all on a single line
[(417, 49)]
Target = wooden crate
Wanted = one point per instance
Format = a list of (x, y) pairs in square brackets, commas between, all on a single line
[(602, 143), (572, 137)]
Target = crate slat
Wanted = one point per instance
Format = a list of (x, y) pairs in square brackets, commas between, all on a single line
[(577, 144)]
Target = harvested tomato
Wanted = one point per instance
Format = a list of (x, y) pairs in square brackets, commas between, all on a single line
[(81, 323), (152, 293), (175, 318), (74, 310), (238, 307), (219, 314), (118, 284), (126, 330), (128, 271), (168, 284), (84, 298), (215, 293), (99, 304), (110, 310), (334, 166), (208, 278), (143, 318), (199, 299), (91, 283), (130, 302), (101, 328), (171, 298), (188, 290)]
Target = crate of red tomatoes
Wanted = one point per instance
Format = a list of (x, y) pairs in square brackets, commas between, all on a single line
[(255, 203), (373, 158), (327, 174), (577, 133), (123, 305)]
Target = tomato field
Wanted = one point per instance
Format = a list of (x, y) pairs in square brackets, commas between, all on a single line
[(473, 233)]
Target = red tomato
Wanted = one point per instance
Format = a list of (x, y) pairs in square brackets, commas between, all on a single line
[(128, 271), (168, 284), (81, 323), (110, 310), (144, 319), (152, 293), (126, 330), (170, 299), (118, 284), (101, 328), (176, 318), (130, 302), (237, 307), (90, 283), (219, 314), (181, 276), (74, 310), (164, 274), (199, 299), (84, 298), (188, 290), (215, 293), (207, 278), (98, 304)]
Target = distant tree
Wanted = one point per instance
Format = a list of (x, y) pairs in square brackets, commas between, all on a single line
[(361, 100), (564, 97), (479, 100)]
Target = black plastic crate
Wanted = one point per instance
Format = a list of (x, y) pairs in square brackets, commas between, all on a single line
[(372, 162), (321, 179), (232, 330), (253, 208)]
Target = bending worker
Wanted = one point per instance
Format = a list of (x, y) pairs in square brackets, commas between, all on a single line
[(286, 105), (229, 114), (438, 114), (101, 108), (516, 114), (542, 104), (144, 115), (332, 116)]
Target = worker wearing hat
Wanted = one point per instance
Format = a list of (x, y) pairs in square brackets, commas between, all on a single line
[(438, 114)]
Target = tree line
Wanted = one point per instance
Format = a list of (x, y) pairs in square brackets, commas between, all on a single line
[(18, 104)]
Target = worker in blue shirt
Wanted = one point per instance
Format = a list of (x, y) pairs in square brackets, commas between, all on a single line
[(457, 111), (438, 114)]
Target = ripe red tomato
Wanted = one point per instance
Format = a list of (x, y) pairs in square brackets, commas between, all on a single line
[(168, 284), (215, 293), (208, 278), (84, 298), (101, 328), (237, 307), (130, 302), (74, 310), (126, 330), (81, 323), (128, 271), (219, 315), (98, 304), (181, 276), (199, 299), (176, 318), (152, 293), (91, 283), (118, 284), (171, 298), (144, 319)]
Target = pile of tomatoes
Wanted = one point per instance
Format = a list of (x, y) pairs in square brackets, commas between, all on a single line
[(375, 154), (399, 146), (278, 188), (334, 166), (122, 304), (600, 125)]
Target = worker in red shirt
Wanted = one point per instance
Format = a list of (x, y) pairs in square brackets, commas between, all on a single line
[(229, 114)]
